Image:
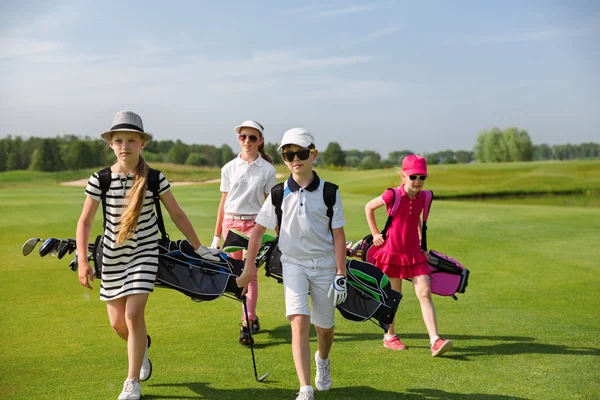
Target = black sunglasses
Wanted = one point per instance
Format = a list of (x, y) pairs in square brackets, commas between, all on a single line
[(302, 155), (414, 177), (252, 138)]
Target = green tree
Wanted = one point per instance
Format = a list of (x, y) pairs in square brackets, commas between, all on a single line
[(178, 153), (80, 155), (396, 157), (47, 157), (518, 144), (333, 155), (197, 159)]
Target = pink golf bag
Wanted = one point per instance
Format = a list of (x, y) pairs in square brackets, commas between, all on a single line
[(448, 276)]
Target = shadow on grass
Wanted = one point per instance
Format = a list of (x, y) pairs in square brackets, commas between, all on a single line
[(510, 345), (517, 345), (204, 391)]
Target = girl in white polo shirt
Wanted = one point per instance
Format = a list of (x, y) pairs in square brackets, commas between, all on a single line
[(245, 183), (313, 258)]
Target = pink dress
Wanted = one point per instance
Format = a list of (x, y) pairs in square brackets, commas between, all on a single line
[(401, 256)]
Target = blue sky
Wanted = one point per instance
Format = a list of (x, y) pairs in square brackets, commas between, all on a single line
[(378, 75)]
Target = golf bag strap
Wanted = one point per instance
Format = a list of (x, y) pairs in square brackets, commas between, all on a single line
[(154, 186), (104, 177), (329, 190), (329, 194), (277, 200), (104, 180)]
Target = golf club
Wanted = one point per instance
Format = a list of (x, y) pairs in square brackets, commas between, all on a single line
[(73, 264), (62, 250), (262, 378), (29, 245), (48, 247)]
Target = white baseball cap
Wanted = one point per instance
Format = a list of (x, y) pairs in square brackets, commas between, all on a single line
[(250, 124), (298, 136)]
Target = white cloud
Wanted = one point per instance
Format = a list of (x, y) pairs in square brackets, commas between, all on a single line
[(352, 10), (14, 47)]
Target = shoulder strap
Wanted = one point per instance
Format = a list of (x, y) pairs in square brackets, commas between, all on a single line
[(426, 206), (396, 202), (104, 180), (276, 200), (154, 186), (329, 190)]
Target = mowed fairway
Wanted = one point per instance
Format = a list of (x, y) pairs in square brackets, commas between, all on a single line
[(526, 328)]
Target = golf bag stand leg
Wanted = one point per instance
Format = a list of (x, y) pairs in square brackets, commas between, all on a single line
[(249, 326)]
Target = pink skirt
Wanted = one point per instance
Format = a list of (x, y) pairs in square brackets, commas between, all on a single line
[(404, 271)]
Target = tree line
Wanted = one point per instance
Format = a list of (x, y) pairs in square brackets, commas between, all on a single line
[(71, 152)]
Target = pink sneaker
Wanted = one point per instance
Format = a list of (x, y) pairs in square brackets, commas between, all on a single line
[(394, 344), (440, 347)]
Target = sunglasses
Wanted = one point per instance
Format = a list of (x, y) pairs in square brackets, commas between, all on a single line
[(251, 138), (414, 177), (302, 155)]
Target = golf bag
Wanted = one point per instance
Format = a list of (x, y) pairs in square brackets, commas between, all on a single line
[(448, 276), (370, 295), (180, 268)]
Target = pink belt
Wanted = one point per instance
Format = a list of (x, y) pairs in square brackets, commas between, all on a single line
[(242, 217)]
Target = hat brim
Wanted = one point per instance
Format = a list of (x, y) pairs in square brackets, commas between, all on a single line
[(301, 143), (416, 171), (238, 128), (145, 136)]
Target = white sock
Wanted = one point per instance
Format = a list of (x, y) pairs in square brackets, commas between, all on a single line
[(433, 339), (307, 389), (322, 361), (388, 337)]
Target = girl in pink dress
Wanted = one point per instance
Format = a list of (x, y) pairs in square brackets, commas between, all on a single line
[(399, 255)]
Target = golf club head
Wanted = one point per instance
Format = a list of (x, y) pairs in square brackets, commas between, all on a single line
[(73, 264), (48, 246), (62, 250), (262, 378), (29, 245)]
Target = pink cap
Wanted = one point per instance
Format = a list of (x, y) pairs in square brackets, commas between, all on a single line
[(414, 165)]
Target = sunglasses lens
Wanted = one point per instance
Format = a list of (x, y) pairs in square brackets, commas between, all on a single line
[(252, 138), (289, 156), (423, 177), (414, 177)]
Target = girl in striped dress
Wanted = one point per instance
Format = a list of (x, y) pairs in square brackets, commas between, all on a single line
[(130, 246)]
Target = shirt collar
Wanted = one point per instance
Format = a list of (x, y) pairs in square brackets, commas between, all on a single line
[(258, 161), (314, 185), (403, 192)]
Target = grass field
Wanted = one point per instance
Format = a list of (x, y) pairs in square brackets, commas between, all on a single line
[(526, 328)]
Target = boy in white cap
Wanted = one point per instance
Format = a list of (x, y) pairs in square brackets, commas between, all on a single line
[(313, 257)]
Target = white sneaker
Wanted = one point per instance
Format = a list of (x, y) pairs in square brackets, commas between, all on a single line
[(146, 370), (323, 375), (132, 390), (305, 396)]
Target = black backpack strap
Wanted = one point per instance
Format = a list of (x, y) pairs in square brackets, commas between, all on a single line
[(104, 180), (277, 200), (329, 190), (389, 218), (426, 207), (154, 186)]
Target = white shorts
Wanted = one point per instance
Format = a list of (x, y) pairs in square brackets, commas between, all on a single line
[(312, 275)]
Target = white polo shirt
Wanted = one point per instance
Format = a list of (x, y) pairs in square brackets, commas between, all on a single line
[(304, 231), (246, 184)]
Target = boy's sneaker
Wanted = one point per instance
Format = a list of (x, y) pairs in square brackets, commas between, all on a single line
[(394, 343), (132, 390), (323, 375), (146, 370), (305, 396), (245, 336), (440, 347), (255, 325)]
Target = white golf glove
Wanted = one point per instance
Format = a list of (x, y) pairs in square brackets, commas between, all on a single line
[(338, 290), (208, 253), (216, 241)]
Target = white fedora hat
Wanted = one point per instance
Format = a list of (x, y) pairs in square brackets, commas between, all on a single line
[(127, 121), (250, 124)]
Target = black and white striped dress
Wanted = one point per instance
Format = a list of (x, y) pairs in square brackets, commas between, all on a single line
[(129, 268)]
